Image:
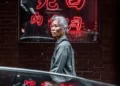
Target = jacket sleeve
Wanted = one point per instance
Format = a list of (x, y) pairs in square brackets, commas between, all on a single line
[(60, 59)]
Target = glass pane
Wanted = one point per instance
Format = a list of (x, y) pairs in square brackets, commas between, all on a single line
[(26, 77), (82, 17)]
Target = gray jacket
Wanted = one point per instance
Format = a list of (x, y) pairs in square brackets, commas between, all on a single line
[(63, 60)]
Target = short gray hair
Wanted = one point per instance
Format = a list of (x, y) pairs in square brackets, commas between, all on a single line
[(62, 21)]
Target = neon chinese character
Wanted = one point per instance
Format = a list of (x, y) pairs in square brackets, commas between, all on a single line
[(41, 3), (49, 21), (75, 23), (50, 5), (30, 83), (78, 4), (36, 19)]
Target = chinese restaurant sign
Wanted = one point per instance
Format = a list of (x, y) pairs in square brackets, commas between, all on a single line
[(82, 17)]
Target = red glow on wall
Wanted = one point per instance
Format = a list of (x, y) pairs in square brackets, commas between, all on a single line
[(40, 4), (78, 4), (30, 83), (52, 5), (37, 18), (75, 23)]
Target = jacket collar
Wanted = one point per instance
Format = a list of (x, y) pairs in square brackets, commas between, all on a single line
[(61, 39)]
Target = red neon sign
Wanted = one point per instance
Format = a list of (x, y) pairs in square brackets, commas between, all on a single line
[(76, 23), (30, 83), (41, 3), (49, 21), (67, 84), (63, 84), (50, 6), (78, 4), (37, 18)]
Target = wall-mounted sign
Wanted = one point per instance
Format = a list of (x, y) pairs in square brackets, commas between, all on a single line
[(82, 17)]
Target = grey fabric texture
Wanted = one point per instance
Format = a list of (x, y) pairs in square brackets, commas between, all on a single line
[(63, 60)]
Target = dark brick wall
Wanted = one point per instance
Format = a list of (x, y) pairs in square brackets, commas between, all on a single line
[(93, 61)]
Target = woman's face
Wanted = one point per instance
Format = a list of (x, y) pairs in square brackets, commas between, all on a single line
[(56, 29)]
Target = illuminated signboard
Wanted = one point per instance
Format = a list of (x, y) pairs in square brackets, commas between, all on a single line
[(33, 83), (82, 17)]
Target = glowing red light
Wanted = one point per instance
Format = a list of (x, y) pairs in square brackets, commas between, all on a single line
[(41, 3), (76, 23), (30, 83), (49, 21), (51, 17), (50, 6), (67, 84), (78, 4), (43, 84), (37, 18)]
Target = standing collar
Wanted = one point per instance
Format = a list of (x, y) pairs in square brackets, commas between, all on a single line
[(61, 39)]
